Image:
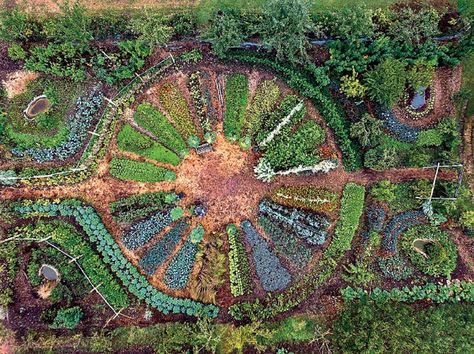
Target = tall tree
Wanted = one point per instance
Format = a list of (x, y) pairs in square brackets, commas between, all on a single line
[(284, 29)]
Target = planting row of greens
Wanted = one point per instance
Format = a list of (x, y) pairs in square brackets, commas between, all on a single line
[(352, 205), (236, 97), (196, 89), (131, 140), (131, 170), (178, 271), (154, 121), (239, 268), (94, 228), (141, 205), (158, 253)]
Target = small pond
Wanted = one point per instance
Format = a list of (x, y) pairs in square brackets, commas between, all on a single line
[(39, 105), (419, 98), (49, 272)]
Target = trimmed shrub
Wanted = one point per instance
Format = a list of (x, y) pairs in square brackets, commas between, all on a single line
[(273, 276), (129, 139), (131, 170), (67, 318)]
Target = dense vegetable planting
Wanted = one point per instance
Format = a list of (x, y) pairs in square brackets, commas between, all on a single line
[(307, 197), (129, 139), (137, 284), (131, 170), (236, 96), (239, 269)]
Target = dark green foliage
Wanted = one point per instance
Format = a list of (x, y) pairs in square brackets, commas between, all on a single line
[(380, 158), (16, 25), (67, 318), (386, 82), (151, 29), (368, 327), (367, 130)]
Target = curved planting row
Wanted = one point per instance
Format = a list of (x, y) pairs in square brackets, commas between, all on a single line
[(398, 225), (94, 228)]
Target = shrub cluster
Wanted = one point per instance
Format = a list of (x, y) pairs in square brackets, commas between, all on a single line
[(129, 139), (272, 275), (395, 267), (236, 96), (136, 283), (311, 228), (286, 243), (131, 170), (239, 269), (306, 197), (155, 122), (178, 271), (142, 231), (175, 105), (157, 254), (376, 217)]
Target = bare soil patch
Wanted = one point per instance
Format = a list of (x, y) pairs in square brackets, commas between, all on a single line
[(15, 83)]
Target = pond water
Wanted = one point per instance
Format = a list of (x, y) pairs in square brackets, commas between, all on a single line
[(419, 99), (37, 106), (49, 272)]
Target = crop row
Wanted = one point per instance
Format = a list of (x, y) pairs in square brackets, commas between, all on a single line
[(137, 284), (157, 254), (176, 106), (306, 197), (131, 170), (154, 121), (398, 225), (142, 231), (236, 96), (286, 243), (178, 271), (239, 269), (272, 275), (308, 226), (199, 101), (141, 205), (129, 139)]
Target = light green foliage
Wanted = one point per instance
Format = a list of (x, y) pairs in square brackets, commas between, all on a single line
[(386, 82), (16, 52), (16, 25), (381, 158), (239, 269), (384, 191), (420, 75), (351, 86), (236, 95), (284, 27), (131, 170), (129, 139)]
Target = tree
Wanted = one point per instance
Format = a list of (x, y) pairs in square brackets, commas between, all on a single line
[(386, 82), (67, 318), (420, 75), (151, 29), (351, 86), (284, 29), (367, 130), (384, 191), (225, 31)]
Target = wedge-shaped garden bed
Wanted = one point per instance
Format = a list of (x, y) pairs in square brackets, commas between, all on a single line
[(131, 170)]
